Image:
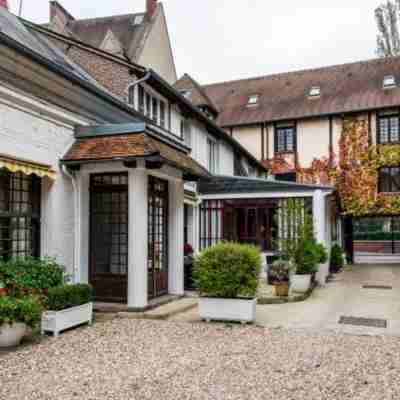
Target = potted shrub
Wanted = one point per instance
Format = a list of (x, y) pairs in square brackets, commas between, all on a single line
[(22, 276), (67, 306), (16, 316), (306, 261), (226, 276), (279, 272), (336, 261)]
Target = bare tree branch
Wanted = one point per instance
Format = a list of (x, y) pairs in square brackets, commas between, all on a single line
[(387, 20)]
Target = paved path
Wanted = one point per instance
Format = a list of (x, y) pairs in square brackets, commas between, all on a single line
[(343, 297)]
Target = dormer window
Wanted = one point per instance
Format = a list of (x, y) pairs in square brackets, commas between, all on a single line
[(253, 100), (186, 93), (389, 82), (314, 92)]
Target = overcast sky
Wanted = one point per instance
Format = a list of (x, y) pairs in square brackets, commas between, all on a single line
[(217, 40)]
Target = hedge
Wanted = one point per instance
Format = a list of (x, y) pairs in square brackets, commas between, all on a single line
[(63, 297)]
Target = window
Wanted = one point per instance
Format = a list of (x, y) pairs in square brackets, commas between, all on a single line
[(186, 132), (389, 82), (131, 95), (285, 139), (315, 91), (389, 180), (141, 96), (253, 100), (186, 93), (148, 105), (19, 215), (155, 109), (212, 154), (388, 128), (162, 114)]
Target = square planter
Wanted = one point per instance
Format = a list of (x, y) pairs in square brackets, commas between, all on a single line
[(240, 310), (57, 321)]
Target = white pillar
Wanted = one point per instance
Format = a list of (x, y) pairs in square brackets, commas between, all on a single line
[(138, 240), (82, 231), (176, 245), (320, 216)]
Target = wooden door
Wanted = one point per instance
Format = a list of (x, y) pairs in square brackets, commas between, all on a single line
[(157, 237), (109, 236)]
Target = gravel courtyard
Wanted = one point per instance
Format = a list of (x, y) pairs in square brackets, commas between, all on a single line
[(138, 359)]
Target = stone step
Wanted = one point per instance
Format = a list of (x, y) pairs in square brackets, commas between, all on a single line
[(163, 312)]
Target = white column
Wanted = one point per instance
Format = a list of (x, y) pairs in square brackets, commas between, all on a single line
[(138, 246), (176, 245), (319, 214), (82, 230)]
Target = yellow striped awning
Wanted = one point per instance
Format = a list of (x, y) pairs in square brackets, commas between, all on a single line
[(26, 167)]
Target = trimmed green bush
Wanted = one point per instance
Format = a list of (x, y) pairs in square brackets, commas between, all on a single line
[(336, 262), (27, 310), (321, 253), (63, 297), (228, 270), (22, 276), (306, 258)]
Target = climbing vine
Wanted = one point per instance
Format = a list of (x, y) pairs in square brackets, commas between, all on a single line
[(355, 173)]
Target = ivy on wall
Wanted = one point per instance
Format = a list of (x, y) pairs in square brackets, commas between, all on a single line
[(355, 172)]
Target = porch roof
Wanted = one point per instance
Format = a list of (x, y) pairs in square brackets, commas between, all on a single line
[(128, 148), (228, 185)]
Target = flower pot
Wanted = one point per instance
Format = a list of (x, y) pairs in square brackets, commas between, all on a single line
[(3, 292), (12, 334), (217, 309), (57, 321), (300, 283), (281, 289)]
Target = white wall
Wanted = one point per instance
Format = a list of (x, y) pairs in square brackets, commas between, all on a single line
[(28, 134)]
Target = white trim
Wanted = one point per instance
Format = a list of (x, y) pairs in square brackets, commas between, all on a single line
[(260, 195), (38, 108)]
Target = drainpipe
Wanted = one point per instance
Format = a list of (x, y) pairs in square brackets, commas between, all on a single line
[(77, 222), (144, 79)]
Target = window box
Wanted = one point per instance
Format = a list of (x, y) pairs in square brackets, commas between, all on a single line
[(217, 309), (57, 321)]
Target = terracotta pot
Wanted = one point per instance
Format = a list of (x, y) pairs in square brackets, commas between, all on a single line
[(281, 289), (3, 292)]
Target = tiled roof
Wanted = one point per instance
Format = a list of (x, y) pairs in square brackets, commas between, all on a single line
[(128, 147), (197, 95), (344, 88), (129, 29), (237, 185)]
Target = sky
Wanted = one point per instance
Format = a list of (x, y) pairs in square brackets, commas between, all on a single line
[(220, 40)]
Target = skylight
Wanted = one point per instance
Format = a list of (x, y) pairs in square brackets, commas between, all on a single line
[(389, 82), (315, 91), (253, 99)]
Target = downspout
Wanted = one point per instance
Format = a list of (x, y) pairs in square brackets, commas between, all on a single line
[(141, 80), (77, 222)]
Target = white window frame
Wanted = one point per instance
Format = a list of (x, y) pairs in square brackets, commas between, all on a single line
[(212, 159)]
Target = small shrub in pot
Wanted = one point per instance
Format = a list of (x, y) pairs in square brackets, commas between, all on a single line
[(68, 296), (28, 275), (228, 270), (16, 314), (226, 276), (279, 271)]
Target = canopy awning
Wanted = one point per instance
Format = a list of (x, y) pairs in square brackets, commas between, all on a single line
[(27, 167)]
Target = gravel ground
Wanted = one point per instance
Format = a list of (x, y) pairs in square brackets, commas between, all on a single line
[(134, 359)]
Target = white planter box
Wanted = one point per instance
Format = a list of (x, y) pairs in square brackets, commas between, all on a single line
[(216, 309), (11, 335), (57, 321), (300, 283)]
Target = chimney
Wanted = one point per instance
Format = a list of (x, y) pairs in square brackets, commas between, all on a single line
[(151, 7), (4, 3)]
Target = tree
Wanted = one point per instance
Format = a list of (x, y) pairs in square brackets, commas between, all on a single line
[(387, 19)]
